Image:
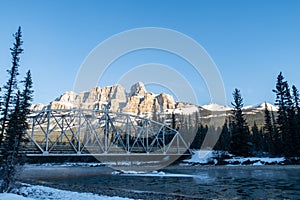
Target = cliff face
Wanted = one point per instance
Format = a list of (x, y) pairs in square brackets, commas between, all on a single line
[(137, 101)]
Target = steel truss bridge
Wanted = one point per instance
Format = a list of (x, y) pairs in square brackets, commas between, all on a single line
[(79, 132)]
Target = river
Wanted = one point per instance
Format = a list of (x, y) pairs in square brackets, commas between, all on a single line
[(184, 182)]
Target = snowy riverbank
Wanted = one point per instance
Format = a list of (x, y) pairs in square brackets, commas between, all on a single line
[(206, 157), (36, 192)]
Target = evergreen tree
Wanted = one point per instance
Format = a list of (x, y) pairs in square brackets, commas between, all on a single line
[(296, 98), (26, 99), (223, 143), (11, 145), (289, 138), (240, 142), (269, 132), (287, 118), (11, 85), (14, 119), (296, 120), (282, 118), (199, 137), (257, 139), (268, 121), (173, 124)]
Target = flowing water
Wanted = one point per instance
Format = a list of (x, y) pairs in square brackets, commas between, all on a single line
[(208, 182)]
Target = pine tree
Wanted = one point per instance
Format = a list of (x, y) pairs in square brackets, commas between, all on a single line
[(11, 85), (223, 143), (257, 138), (14, 119), (11, 145), (15, 135), (296, 120), (268, 121), (26, 99), (240, 142), (296, 98), (199, 137), (286, 119), (290, 137), (269, 131), (282, 119)]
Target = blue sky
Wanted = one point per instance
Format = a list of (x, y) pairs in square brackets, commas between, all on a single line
[(250, 41)]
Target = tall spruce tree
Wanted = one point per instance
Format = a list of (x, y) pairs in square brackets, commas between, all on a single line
[(289, 138), (268, 121), (240, 135), (282, 118), (269, 131), (286, 119), (11, 85), (14, 119), (295, 96), (11, 144)]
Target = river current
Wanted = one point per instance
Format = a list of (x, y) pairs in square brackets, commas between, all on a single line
[(206, 182)]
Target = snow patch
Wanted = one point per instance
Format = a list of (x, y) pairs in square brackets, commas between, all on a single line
[(151, 174), (262, 106), (256, 160), (10, 196), (211, 157), (216, 107), (203, 157), (47, 193), (189, 110), (67, 164)]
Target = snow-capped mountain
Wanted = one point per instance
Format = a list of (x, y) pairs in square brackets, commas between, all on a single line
[(140, 102), (262, 106), (137, 101)]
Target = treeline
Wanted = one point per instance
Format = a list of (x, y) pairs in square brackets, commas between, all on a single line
[(279, 136), (14, 107)]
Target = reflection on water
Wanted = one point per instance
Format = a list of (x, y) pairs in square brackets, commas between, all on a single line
[(214, 182)]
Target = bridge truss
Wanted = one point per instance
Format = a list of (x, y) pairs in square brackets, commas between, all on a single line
[(78, 132)]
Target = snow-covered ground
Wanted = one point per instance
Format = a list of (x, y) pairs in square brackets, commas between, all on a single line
[(67, 164), (30, 192), (202, 157), (10, 196), (211, 157), (256, 160)]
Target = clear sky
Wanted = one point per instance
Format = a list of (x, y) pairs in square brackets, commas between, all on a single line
[(250, 41)]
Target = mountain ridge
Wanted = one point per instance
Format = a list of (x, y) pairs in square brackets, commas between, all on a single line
[(140, 102)]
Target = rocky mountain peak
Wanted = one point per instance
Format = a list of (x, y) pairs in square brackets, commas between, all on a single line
[(138, 89), (137, 101)]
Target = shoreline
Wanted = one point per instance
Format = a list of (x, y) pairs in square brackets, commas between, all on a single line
[(121, 190), (113, 192)]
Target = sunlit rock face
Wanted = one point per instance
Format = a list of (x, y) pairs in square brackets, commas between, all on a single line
[(137, 101)]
